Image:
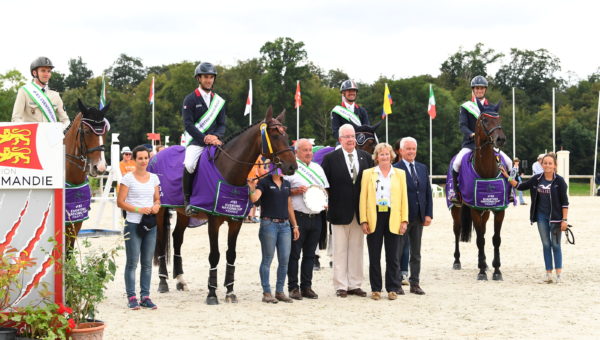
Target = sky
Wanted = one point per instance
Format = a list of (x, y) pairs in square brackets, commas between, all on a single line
[(365, 39)]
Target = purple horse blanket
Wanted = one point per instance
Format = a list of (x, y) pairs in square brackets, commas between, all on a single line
[(211, 194), (320, 152), (477, 192)]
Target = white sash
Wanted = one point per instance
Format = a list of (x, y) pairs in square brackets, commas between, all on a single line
[(472, 108), (204, 123), (309, 174), (347, 115), (43, 102)]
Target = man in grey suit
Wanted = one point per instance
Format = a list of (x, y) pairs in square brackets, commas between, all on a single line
[(420, 207), (343, 168)]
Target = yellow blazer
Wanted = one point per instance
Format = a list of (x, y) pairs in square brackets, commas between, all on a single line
[(399, 199)]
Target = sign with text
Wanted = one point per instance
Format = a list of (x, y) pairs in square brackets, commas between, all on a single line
[(31, 156)]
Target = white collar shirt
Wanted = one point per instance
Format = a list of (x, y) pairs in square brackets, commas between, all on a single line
[(205, 95), (355, 160), (384, 185), (349, 106), (407, 163), (296, 180)]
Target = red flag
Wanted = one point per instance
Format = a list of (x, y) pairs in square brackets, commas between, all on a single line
[(298, 96), (153, 136)]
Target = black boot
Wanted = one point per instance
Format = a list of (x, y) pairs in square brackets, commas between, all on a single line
[(187, 183), (457, 199)]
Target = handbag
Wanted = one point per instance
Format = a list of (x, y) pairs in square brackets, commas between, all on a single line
[(146, 224)]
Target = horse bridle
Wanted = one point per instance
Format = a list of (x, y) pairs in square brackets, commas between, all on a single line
[(363, 137), (488, 133), (83, 155)]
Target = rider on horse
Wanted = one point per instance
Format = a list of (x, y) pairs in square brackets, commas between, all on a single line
[(204, 122), (467, 119), (35, 101), (348, 111)]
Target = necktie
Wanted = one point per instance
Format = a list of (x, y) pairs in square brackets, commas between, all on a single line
[(352, 167), (413, 173)]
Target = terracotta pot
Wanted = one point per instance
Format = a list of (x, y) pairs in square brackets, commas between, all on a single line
[(88, 331)]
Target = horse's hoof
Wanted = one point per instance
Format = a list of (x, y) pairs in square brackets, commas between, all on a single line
[(212, 300), (482, 277), (497, 277), (163, 287), (231, 298), (182, 287), (456, 266)]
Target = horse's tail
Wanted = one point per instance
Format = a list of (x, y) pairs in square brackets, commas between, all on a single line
[(163, 235), (466, 223)]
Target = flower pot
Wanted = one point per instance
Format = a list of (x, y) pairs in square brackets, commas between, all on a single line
[(8, 333), (88, 331)]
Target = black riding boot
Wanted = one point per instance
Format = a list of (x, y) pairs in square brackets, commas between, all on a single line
[(457, 199), (187, 183)]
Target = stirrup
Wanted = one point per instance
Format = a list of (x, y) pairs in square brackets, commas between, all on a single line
[(189, 210)]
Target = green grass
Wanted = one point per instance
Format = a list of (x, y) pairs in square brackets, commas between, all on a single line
[(579, 188)]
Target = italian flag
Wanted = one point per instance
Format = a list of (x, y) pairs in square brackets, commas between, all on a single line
[(431, 106)]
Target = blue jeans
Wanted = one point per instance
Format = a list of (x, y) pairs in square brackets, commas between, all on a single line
[(138, 249), (274, 235), (550, 234)]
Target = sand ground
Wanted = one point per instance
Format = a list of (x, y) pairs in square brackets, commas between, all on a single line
[(456, 304)]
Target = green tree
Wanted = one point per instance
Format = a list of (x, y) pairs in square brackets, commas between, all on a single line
[(57, 82), (79, 74), (10, 82), (462, 66), (126, 72)]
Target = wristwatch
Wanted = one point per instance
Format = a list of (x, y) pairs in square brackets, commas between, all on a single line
[(564, 219)]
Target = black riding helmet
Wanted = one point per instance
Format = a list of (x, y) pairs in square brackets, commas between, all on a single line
[(348, 85), (479, 81), (205, 68), (39, 62)]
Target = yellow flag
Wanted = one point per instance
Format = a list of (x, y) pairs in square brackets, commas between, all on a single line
[(387, 102)]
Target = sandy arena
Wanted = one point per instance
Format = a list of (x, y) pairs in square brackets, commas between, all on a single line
[(456, 304)]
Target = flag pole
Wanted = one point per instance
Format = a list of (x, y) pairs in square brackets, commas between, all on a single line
[(153, 100), (514, 137), (430, 152), (297, 115), (386, 120), (596, 144), (250, 112), (553, 119)]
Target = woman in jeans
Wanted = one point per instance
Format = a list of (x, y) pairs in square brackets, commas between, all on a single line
[(549, 208), (139, 196), (275, 230)]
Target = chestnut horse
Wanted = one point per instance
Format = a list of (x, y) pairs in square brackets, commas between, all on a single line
[(488, 135), (234, 161), (84, 151)]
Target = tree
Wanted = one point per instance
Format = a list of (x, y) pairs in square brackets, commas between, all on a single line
[(79, 74), (335, 78), (57, 82), (462, 66), (532, 71), (9, 85), (126, 72)]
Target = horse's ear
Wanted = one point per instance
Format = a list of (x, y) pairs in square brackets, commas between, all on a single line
[(497, 107), (481, 107), (105, 108), (81, 105), (281, 117), (269, 114)]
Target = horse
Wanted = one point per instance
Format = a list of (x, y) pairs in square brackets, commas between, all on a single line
[(488, 135), (234, 160), (84, 153)]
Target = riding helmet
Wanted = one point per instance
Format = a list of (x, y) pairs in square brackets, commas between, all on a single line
[(205, 68), (479, 81), (39, 62), (348, 85)]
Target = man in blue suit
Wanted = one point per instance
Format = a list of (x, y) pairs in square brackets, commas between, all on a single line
[(420, 206)]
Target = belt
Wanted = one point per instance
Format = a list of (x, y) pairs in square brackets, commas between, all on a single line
[(276, 220), (299, 213)]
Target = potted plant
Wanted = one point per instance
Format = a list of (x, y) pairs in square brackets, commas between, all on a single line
[(12, 266), (46, 321), (86, 275)]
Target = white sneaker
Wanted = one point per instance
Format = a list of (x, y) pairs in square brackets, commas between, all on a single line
[(548, 278), (558, 280)]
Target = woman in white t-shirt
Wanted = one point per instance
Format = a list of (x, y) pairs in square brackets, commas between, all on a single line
[(139, 196)]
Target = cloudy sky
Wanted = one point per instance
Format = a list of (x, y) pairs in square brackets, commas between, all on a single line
[(366, 39)]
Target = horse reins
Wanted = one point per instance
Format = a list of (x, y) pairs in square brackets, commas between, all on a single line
[(488, 133)]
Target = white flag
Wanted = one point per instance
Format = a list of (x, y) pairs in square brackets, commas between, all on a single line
[(248, 109)]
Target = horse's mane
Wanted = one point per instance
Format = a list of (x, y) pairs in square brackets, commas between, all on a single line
[(233, 136), (77, 117)]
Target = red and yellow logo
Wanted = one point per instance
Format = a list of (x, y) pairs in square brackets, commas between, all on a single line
[(18, 147)]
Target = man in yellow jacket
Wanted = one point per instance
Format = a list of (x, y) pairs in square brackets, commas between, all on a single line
[(383, 211)]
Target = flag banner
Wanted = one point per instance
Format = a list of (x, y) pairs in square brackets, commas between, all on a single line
[(431, 105), (298, 96), (102, 95), (153, 136), (387, 102), (248, 109), (151, 96)]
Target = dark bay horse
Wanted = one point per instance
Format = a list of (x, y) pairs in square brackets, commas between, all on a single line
[(84, 151), (488, 134), (234, 161)]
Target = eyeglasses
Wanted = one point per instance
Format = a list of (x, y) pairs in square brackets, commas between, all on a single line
[(348, 136), (127, 154)]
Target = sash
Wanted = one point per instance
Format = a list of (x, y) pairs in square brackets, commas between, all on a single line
[(204, 123), (472, 108), (43, 102), (347, 115), (309, 174)]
